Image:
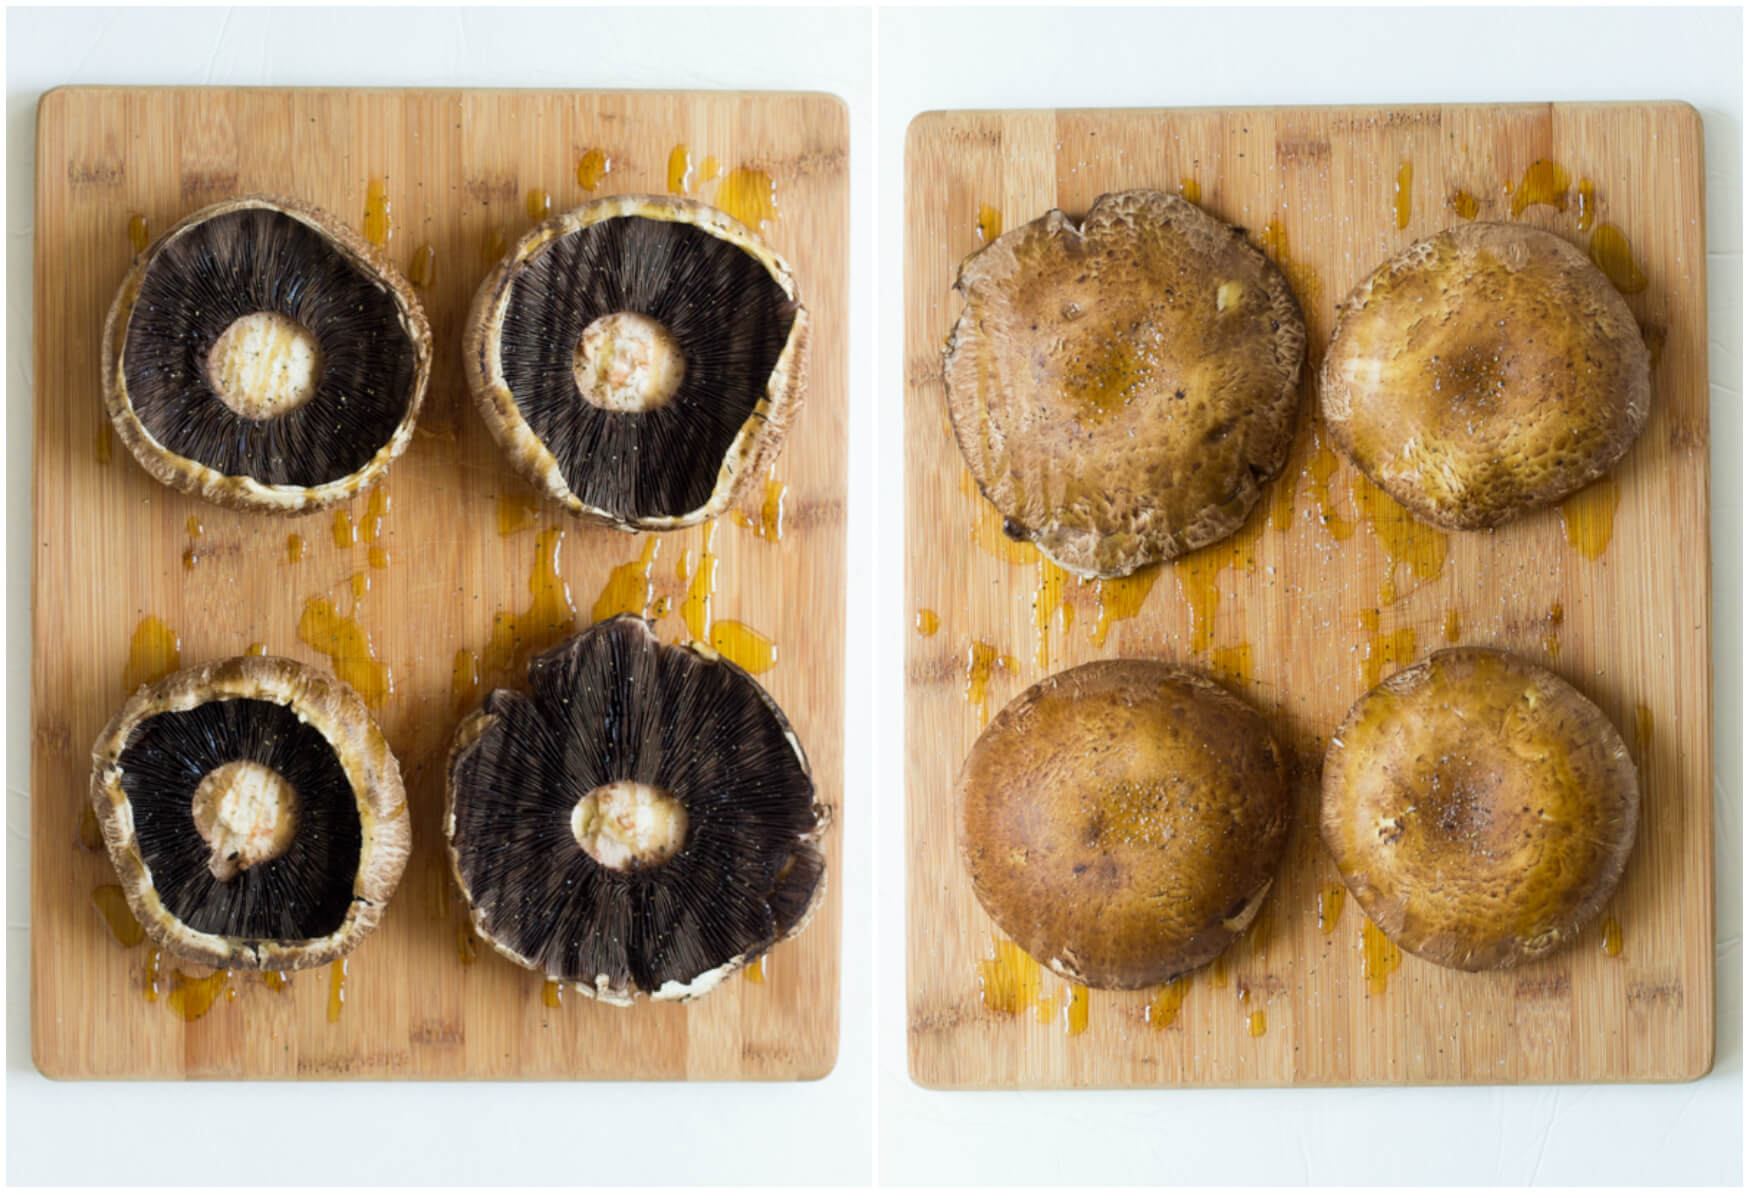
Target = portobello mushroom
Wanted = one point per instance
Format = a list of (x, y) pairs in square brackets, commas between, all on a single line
[(642, 822), (639, 359), (1122, 821), (1479, 807), (1122, 390), (263, 355), (253, 812), (1483, 373)]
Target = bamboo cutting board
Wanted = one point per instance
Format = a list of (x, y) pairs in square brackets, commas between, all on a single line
[(411, 591), (1326, 590)]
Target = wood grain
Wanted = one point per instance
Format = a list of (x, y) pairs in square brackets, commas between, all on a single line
[(457, 168), (1319, 189)]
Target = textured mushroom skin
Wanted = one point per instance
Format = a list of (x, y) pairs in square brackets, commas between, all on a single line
[(1122, 821), (1480, 808), (243, 492), (1121, 391), (332, 708), (761, 436), (1485, 372), (482, 760)]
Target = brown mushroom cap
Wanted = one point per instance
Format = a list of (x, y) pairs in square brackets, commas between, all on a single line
[(762, 426), (241, 491), (1484, 372), (319, 701), (1122, 390), (1123, 820), (1479, 807)]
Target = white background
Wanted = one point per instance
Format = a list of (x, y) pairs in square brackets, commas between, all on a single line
[(463, 1132), (506, 1133), (1044, 58)]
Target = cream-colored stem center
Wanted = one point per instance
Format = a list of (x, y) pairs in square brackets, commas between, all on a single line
[(265, 365), (628, 363), (247, 813), (627, 824)]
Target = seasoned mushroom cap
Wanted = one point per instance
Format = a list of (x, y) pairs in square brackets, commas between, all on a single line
[(1484, 372), (642, 823), (639, 359), (1123, 820), (1480, 809), (263, 355), (254, 813), (1122, 390)]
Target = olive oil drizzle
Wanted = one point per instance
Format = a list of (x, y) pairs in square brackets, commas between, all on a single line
[(744, 646), (1330, 899), (1614, 256), (630, 586), (592, 167), (679, 170), (336, 989), (118, 917), (982, 661), (1162, 1010), (988, 223), (550, 616), (1395, 649), (422, 269), (1379, 957), (347, 645), (90, 832), (1544, 182), (192, 997), (464, 679), (378, 223), (154, 652), (1404, 196), (516, 513), (749, 195)]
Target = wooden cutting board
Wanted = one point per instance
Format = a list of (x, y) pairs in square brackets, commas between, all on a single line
[(1323, 592), (404, 591)]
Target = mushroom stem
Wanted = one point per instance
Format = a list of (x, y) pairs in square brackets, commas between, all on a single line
[(247, 813), (626, 825)]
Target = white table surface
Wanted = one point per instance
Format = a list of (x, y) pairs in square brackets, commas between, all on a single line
[(1044, 58), (508, 1133), (460, 1132)]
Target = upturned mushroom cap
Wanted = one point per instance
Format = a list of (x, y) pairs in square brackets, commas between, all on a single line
[(1123, 820), (344, 860), (691, 269), (361, 319), (1122, 390), (1485, 372), (642, 823), (1480, 808)]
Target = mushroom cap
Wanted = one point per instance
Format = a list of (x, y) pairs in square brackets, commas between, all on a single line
[(239, 490), (1484, 372), (315, 700), (1479, 807), (1123, 820), (611, 705), (524, 435), (1122, 390)]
